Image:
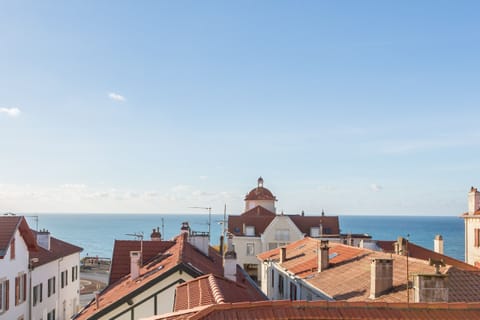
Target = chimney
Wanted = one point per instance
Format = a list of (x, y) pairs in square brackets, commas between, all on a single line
[(230, 260), (438, 244), (323, 258), (381, 277), (185, 227), (221, 246), (135, 261), (401, 246), (156, 235), (431, 287), (473, 201), (43, 239), (199, 240), (283, 254)]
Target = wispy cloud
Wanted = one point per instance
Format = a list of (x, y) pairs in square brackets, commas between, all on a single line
[(375, 187), (11, 112), (116, 97)]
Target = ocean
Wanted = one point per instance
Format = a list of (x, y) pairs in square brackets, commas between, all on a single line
[(95, 233)]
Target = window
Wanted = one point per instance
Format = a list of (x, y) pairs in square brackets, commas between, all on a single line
[(250, 231), (314, 232), (37, 293), (51, 315), (250, 249), (280, 285), (293, 291), (476, 233), (282, 234), (20, 288), (51, 286), (272, 245), (272, 278), (12, 249), (4, 291), (64, 278)]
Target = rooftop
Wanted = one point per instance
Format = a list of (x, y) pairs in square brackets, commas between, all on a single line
[(58, 249), (8, 226)]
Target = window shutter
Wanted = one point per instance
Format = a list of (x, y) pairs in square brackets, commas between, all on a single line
[(41, 291), (7, 293), (17, 289), (475, 234), (24, 287)]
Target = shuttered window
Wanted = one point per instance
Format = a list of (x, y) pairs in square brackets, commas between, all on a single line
[(476, 233)]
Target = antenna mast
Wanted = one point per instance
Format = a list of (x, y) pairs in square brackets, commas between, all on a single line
[(209, 219), (138, 236)]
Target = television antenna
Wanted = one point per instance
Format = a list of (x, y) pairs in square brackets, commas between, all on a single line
[(209, 223), (138, 236)]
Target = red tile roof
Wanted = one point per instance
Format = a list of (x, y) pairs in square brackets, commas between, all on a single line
[(348, 275), (260, 218), (420, 252), (8, 227), (328, 310), (58, 249), (329, 224), (212, 289), (181, 253), (260, 193), (120, 266)]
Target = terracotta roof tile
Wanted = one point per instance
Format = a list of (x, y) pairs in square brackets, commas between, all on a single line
[(58, 249), (213, 289), (8, 226), (348, 277), (120, 266), (260, 193), (328, 310), (330, 224), (181, 252)]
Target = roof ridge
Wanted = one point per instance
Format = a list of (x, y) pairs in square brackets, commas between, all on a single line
[(216, 291)]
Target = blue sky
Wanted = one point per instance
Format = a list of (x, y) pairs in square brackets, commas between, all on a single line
[(358, 107)]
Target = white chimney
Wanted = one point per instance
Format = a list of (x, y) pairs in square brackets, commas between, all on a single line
[(438, 244), (135, 262), (230, 260), (43, 239), (473, 200), (199, 240)]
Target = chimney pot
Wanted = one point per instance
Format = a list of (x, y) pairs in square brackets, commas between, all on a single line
[(438, 244)]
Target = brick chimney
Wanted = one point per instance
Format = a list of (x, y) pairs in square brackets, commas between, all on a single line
[(381, 277), (230, 260), (43, 239), (135, 262), (323, 258), (438, 244), (283, 254), (156, 235)]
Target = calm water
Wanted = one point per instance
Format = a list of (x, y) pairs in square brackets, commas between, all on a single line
[(96, 232)]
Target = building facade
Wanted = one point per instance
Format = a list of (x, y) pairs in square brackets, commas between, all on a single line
[(472, 228)]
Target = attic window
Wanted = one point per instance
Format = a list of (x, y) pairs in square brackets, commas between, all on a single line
[(314, 232), (249, 230)]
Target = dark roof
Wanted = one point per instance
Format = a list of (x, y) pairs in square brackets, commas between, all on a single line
[(258, 217), (260, 193), (332, 310), (121, 255), (212, 289), (58, 249), (8, 227), (419, 252), (329, 224)]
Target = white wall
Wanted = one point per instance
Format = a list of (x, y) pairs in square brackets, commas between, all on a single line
[(267, 204), (11, 268)]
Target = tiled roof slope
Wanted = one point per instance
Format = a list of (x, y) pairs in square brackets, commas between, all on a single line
[(8, 226), (260, 193), (419, 252), (329, 224), (348, 276), (335, 310), (212, 289), (121, 255), (260, 218), (58, 249), (180, 253)]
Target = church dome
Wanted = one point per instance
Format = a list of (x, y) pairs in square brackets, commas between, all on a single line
[(260, 193)]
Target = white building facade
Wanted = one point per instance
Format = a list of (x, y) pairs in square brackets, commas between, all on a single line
[(472, 228)]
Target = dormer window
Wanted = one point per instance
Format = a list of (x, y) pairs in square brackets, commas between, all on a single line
[(250, 231), (314, 232)]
